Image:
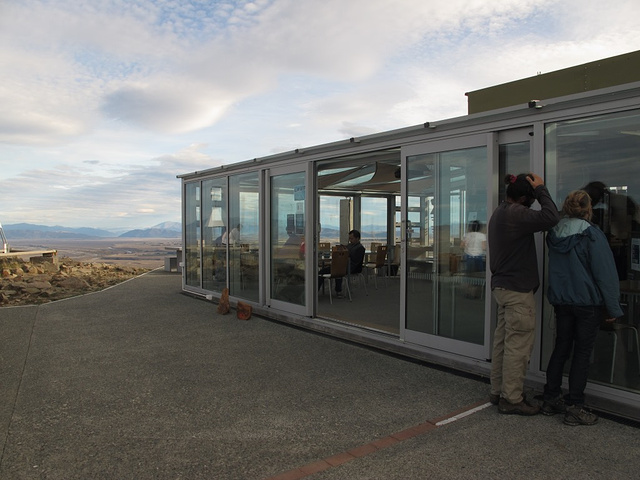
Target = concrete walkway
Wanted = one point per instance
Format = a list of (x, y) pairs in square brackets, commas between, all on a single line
[(142, 382)]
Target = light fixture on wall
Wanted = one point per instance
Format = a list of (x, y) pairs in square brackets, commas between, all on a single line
[(215, 220)]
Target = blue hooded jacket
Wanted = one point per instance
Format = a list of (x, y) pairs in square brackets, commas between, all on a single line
[(581, 267)]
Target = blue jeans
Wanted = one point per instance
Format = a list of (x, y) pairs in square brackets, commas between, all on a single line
[(474, 264), (576, 328)]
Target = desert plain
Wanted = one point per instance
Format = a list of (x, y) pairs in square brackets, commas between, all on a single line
[(148, 253)]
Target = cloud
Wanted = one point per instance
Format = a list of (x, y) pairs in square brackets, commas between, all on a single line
[(145, 194), (165, 107), (180, 68), (99, 99)]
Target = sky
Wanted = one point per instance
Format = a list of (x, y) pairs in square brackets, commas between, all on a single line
[(103, 103)]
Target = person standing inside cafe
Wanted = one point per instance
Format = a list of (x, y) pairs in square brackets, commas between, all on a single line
[(514, 281)]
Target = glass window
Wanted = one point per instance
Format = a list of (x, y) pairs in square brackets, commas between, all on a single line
[(244, 217), (373, 221), (515, 159), (192, 234), (446, 236), (600, 154), (216, 234), (288, 194), (329, 219)]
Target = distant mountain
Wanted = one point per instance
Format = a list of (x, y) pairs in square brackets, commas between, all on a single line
[(372, 231), (162, 230), (29, 231), (33, 232), (151, 233), (177, 226)]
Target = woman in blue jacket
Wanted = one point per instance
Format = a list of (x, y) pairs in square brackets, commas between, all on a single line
[(584, 289)]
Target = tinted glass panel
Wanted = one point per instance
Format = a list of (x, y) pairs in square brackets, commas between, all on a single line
[(215, 234), (447, 216), (192, 234), (244, 217), (288, 195), (600, 154)]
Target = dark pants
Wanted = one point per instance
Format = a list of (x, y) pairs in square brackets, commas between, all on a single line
[(324, 270), (576, 328)]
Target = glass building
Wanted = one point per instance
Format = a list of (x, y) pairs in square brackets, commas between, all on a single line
[(265, 228)]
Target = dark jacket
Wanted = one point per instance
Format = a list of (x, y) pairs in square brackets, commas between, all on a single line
[(581, 267), (356, 257), (512, 249)]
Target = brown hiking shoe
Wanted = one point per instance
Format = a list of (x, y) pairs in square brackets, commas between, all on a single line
[(576, 415), (494, 399), (522, 408)]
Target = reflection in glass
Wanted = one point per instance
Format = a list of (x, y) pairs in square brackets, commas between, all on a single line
[(287, 244), (514, 158), (215, 234), (244, 215), (445, 287), (599, 154), (192, 234)]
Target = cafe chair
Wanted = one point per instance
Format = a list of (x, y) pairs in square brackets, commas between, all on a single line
[(324, 254), (379, 264), (616, 332), (360, 278), (339, 269)]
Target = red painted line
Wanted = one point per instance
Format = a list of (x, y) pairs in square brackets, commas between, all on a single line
[(372, 447)]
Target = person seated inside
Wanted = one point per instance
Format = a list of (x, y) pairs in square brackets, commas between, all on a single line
[(356, 260), (233, 238), (223, 234)]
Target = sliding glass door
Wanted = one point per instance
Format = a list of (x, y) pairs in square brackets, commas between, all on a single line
[(444, 219), (286, 245)]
